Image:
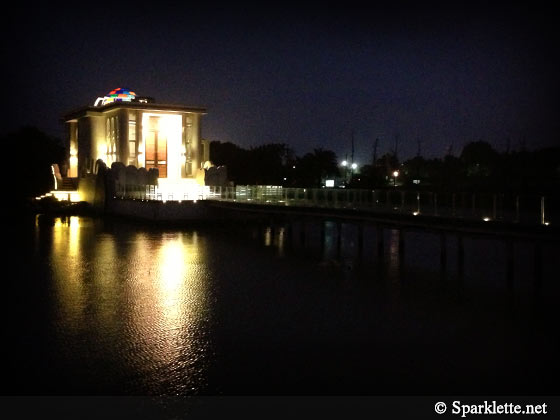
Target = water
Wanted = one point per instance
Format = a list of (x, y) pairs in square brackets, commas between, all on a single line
[(98, 307)]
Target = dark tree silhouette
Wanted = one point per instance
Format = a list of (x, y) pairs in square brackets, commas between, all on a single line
[(312, 168), (36, 152), (267, 163), (234, 158), (479, 167), (480, 159), (263, 165)]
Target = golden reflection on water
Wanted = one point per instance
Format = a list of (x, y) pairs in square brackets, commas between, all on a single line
[(171, 295), (275, 238), (103, 274), (145, 291), (66, 268), (268, 237), (178, 288)]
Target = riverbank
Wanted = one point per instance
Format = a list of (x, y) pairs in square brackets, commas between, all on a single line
[(52, 206)]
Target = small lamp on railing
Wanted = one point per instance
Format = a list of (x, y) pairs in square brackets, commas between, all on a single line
[(395, 175)]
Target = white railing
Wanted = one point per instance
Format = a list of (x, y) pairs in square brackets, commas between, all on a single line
[(476, 206), (156, 193)]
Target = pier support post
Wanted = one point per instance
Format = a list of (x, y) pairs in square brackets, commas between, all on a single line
[(509, 263), (460, 257), (538, 267), (443, 251), (289, 234), (360, 238), (401, 243), (338, 238), (453, 204), (302, 233), (322, 236), (380, 244)]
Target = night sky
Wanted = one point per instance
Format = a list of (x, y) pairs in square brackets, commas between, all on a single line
[(305, 76)]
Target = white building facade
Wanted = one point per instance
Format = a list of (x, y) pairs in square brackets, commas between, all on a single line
[(122, 127)]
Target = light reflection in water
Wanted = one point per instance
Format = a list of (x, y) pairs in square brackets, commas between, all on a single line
[(132, 314), (140, 298), (66, 268), (275, 237), (268, 237), (281, 240), (169, 291), (180, 293), (394, 257)]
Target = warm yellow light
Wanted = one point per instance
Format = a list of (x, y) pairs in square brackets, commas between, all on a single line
[(396, 174), (72, 196), (54, 176), (101, 150), (486, 219), (173, 266), (169, 127), (268, 237)]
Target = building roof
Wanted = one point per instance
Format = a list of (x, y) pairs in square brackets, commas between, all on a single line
[(150, 106)]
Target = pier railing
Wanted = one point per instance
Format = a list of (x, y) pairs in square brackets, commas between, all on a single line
[(530, 209), (527, 209)]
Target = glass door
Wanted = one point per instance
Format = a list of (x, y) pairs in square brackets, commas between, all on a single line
[(156, 148)]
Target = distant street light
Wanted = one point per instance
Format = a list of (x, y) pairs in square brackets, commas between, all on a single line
[(395, 175), (354, 165), (344, 163)]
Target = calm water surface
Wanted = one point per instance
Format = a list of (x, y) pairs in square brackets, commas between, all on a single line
[(112, 308)]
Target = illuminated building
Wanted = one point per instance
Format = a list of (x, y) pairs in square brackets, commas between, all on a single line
[(123, 127)]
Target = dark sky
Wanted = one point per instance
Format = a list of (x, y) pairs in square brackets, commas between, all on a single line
[(303, 75)]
